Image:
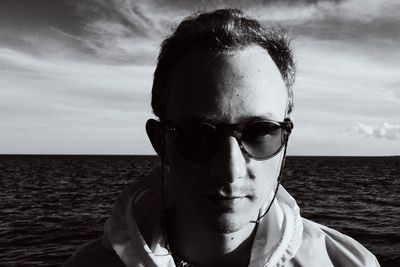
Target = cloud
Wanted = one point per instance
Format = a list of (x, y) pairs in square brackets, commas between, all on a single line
[(112, 31), (129, 31), (37, 92), (350, 19), (79, 107), (386, 130), (78, 69), (340, 83)]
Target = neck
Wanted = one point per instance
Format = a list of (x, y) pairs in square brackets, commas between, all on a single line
[(203, 247)]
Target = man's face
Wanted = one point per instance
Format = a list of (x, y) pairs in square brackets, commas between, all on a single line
[(225, 192)]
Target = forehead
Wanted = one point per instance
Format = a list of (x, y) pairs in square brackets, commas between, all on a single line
[(228, 88)]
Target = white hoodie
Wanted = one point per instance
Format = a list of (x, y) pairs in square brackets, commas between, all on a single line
[(283, 238)]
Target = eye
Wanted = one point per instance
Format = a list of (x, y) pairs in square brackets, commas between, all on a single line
[(196, 142), (196, 134), (260, 132)]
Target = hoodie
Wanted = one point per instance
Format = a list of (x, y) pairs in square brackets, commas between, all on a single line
[(133, 235)]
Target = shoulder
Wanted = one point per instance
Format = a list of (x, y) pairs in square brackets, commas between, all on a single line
[(323, 246), (93, 254)]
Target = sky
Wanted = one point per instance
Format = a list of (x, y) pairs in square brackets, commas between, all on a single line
[(76, 76)]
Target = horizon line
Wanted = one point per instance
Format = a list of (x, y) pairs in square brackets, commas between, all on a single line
[(155, 155)]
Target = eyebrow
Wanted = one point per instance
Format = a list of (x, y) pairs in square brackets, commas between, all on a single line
[(213, 118), (267, 116)]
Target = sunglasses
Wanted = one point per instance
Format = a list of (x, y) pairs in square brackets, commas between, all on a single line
[(259, 140)]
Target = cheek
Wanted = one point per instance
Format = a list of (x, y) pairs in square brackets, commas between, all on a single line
[(186, 176), (265, 177)]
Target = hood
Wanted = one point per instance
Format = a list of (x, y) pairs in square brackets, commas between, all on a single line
[(134, 229)]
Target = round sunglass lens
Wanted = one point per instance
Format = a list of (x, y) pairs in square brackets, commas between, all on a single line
[(262, 139), (196, 142)]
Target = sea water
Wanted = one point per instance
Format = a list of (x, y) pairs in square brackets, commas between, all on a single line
[(52, 204)]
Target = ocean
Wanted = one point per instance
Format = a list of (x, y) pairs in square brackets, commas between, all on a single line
[(52, 204)]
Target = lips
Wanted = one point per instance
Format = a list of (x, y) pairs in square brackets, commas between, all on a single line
[(225, 201), (228, 196), (225, 197)]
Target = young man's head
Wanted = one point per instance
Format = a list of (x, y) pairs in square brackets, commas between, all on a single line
[(222, 90)]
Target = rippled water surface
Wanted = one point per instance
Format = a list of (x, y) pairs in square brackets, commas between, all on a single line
[(52, 204)]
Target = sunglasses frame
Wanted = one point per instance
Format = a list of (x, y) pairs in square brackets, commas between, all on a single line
[(235, 130)]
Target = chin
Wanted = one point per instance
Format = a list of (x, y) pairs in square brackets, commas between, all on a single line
[(226, 224)]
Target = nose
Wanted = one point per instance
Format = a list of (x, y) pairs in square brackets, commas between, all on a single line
[(229, 164)]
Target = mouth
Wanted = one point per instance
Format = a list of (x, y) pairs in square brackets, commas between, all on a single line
[(223, 201)]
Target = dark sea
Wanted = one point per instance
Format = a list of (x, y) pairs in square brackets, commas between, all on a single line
[(49, 205)]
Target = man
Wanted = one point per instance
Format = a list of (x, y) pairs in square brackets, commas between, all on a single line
[(222, 92)]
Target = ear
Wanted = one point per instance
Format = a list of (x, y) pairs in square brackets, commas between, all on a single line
[(154, 130)]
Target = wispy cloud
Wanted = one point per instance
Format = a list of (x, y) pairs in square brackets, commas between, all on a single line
[(130, 31), (118, 26), (120, 31), (80, 72), (351, 19), (66, 100), (386, 130), (345, 81)]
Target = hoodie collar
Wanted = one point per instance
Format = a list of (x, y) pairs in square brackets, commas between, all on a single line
[(277, 239)]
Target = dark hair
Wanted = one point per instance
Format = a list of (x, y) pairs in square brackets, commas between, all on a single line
[(220, 31)]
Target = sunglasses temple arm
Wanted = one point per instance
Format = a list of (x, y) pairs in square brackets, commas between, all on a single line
[(277, 184)]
